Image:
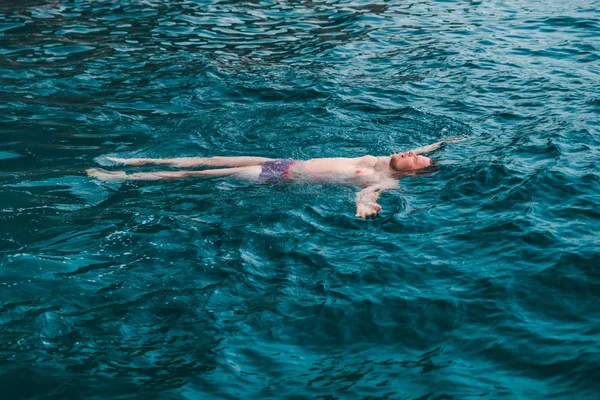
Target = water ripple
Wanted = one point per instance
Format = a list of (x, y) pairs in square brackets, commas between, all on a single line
[(477, 280)]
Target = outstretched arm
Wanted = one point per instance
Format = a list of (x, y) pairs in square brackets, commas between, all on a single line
[(428, 148), (366, 201), (437, 145)]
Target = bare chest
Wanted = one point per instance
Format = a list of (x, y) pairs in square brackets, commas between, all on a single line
[(336, 170)]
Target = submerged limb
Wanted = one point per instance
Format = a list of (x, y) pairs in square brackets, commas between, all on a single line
[(194, 161), (249, 173), (437, 145)]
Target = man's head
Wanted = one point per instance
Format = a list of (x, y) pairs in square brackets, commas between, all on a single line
[(405, 162)]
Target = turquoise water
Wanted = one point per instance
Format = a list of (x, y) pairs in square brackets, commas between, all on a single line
[(481, 280)]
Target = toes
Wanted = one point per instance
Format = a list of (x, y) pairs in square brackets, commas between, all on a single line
[(90, 172)]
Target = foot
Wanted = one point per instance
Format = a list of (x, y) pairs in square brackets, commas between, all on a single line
[(128, 161), (106, 176)]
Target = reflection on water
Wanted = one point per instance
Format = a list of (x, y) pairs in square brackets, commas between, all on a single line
[(478, 280)]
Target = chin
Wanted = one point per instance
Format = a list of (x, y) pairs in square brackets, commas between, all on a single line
[(427, 161)]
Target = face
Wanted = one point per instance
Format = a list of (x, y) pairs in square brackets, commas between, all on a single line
[(409, 162)]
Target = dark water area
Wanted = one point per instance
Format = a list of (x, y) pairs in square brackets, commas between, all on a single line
[(481, 280)]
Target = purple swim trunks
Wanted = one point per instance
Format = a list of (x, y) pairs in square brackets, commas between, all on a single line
[(275, 171)]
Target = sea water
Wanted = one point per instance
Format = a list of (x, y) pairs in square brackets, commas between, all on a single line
[(480, 280)]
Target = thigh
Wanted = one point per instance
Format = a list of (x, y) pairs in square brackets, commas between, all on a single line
[(250, 173), (243, 161)]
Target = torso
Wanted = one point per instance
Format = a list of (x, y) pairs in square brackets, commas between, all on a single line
[(362, 171)]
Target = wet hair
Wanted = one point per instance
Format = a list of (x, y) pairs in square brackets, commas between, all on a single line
[(431, 168)]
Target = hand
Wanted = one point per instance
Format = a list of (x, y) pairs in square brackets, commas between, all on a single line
[(455, 139), (365, 210)]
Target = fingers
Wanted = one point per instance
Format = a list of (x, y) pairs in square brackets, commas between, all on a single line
[(368, 214), (455, 139), (365, 214), (367, 210)]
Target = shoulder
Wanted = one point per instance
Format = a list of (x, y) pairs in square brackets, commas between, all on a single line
[(368, 160)]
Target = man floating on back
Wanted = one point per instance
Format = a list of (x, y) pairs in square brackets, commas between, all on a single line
[(372, 174)]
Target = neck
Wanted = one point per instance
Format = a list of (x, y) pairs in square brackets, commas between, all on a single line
[(383, 164)]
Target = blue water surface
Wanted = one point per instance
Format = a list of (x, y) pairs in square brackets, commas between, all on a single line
[(481, 280)]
